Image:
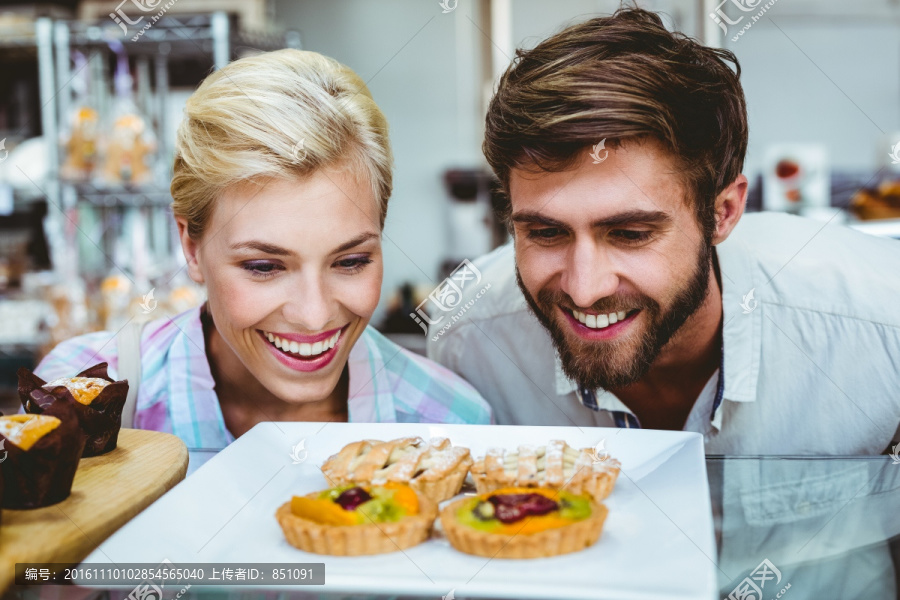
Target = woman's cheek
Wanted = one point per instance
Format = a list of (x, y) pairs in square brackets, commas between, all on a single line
[(361, 292), (240, 299)]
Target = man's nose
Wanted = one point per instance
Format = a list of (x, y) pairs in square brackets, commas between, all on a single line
[(589, 274)]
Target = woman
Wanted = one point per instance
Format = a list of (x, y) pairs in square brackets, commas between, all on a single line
[(281, 181)]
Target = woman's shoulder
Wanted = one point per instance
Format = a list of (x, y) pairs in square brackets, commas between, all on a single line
[(80, 352), (422, 389)]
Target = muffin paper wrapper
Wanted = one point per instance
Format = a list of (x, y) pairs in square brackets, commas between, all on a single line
[(43, 474)]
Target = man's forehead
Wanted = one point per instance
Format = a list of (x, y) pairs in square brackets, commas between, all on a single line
[(635, 175)]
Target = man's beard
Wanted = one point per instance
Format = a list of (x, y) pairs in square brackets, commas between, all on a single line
[(610, 364)]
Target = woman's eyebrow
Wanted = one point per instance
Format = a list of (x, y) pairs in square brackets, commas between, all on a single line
[(265, 247), (275, 250), (360, 239)]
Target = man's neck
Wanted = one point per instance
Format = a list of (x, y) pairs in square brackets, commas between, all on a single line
[(664, 397)]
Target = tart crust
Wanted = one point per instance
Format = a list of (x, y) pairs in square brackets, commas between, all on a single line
[(573, 537), (556, 465), (357, 540)]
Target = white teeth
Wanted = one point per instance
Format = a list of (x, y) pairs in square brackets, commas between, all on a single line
[(599, 321), (303, 348)]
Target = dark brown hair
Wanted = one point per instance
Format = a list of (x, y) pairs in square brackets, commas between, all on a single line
[(622, 77)]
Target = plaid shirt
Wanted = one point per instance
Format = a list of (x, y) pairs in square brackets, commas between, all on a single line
[(388, 384)]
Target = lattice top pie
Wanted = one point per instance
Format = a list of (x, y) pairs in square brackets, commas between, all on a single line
[(434, 468), (556, 465)]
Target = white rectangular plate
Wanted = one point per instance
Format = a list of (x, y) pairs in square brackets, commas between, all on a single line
[(657, 542)]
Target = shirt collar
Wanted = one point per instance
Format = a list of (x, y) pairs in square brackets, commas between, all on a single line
[(742, 319), (369, 398), (193, 404)]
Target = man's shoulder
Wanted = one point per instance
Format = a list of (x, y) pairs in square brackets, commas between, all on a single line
[(812, 265), (499, 292)]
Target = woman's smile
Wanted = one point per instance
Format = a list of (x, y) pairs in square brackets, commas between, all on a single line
[(304, 352), (307, 352)]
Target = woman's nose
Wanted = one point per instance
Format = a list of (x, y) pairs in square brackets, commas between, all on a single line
[(308, 305)]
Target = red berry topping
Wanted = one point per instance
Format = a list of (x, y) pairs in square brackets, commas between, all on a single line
[(350, 499), (509, 508)]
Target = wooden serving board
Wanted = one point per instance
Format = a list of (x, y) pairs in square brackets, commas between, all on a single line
[(108, 491)]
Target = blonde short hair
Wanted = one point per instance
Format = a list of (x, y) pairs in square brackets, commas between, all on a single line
[(283, 114)]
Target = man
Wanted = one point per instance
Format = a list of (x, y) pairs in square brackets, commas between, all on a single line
[(636, 293)]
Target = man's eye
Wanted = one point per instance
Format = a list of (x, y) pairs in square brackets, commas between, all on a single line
[(631, 236), (545, 233)]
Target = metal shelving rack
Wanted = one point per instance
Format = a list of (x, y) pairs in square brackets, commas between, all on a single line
[(215, 35)]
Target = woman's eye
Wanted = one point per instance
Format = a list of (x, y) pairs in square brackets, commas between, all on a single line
[(631, 236), (353, 265), (261, 269)]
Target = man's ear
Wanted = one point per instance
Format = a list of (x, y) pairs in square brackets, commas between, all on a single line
[(729, 208), (191, 250)]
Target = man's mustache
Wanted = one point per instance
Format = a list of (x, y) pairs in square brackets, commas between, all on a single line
[(609, 304)]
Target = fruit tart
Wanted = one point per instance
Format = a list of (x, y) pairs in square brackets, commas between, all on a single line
[(556, 465), (353, 520), (520, 522), (435, 468)]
